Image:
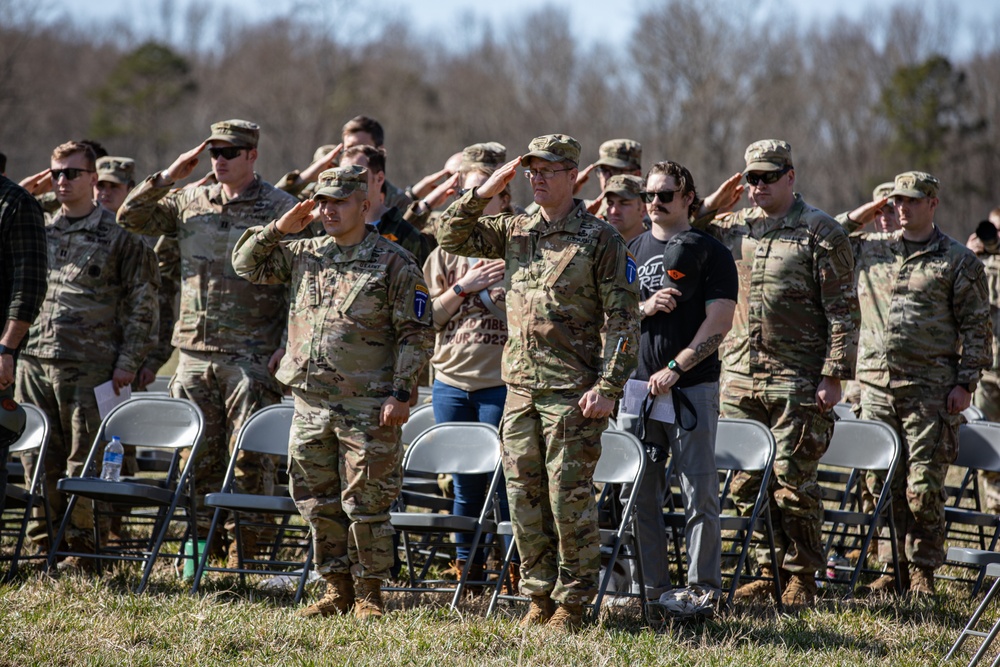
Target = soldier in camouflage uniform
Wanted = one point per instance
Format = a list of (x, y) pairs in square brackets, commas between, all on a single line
[(358, 333), (623, 206), (98, 322), (302, 184), (925, 338), (794, 338), (567, 273), (227, 331)]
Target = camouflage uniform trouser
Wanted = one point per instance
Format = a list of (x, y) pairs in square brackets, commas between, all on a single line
[(987, 399), (550, 451), (929, 437), (802, 433), (228, 387), (345, 470), (64, 391)]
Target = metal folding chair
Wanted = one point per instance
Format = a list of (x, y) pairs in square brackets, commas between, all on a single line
[(451, 448), (22, 501), (843, 411), (858, 446), (265, 432), (990, 562), (172, 424)]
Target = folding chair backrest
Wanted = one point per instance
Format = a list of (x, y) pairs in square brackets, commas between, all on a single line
[(267, 430), (844, 411), (622, 455), (155, 421), (743, 444), (36, 430), (421, 419), (862, 444), (455, 447), (979, 446), (973, 414)]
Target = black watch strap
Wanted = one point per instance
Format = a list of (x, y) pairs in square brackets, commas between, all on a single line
[(12, 351), (401, 395)]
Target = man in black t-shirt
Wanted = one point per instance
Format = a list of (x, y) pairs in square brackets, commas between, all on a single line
[(688, 290)]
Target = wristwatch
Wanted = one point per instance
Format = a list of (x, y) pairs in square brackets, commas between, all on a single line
[(401, 395), (459, 290), (642, 308), (675, 367), (7, 350)]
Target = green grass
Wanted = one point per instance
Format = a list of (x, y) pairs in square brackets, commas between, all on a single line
[(80, 620)]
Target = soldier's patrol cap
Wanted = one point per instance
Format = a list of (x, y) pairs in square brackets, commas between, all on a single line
[(237, 132), (915, 184), (490, 155), (554, 148), (624, 185), (342, 182), (768, 155), (322, 150), (116, 170), (882, 190), (620, 153)]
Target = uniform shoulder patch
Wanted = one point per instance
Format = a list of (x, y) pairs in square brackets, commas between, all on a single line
[(420, 297), (631, 269)]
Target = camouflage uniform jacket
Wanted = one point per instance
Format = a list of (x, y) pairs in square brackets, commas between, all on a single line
[(564, 279), (925, 317), (797, 314), (101, 303), (219, 312), (359, 324)]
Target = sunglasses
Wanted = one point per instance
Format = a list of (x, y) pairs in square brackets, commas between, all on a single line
[(71, 174), (228, 152), (665, 196), (768, 177)]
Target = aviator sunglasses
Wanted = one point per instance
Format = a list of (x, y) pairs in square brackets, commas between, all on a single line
[(228, 152)]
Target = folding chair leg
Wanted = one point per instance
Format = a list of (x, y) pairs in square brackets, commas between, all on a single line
[(970, 631), (501, 579), (202, 559)]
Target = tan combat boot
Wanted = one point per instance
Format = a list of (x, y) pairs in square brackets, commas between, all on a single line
[(567, 618), (541, 610), (339, 598), (249, 541), (887, 583), (921, 581), (368, 603), (800, 591), (757, 591)]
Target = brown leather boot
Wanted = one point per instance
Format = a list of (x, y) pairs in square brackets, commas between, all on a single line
[(800, 592), (339, 598), (887, 583), (248, 539), (567, 618), (541, 610), (921, 581), (757, 591), (368, 600)]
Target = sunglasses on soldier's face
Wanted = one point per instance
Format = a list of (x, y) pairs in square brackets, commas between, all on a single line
[(665, 196), (228, 152), (71, 174), (767, 177)]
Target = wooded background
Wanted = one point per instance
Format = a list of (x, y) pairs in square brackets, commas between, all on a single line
[(859, 100)]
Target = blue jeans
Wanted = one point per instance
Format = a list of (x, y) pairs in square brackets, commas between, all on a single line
[(452, 404)]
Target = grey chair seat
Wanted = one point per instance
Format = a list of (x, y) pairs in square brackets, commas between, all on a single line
[(424, 521), (112, 492), (969, 516), (248, 502), (977, 557)]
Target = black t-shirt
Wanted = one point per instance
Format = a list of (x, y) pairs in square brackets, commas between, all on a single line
[(666, 334)]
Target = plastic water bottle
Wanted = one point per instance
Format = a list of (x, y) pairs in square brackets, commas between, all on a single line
[(832, 572), (114, 453)]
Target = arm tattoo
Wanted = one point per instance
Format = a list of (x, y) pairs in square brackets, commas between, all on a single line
[(706, 348)]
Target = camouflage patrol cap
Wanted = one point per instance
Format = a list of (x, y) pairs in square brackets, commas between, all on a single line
[(882, 190), (768, 155), (237, 132), (624, 185), (620, 153), (342, 182), (554, 148), (322, 150), (490, 155), (116, 170), (915, 184)]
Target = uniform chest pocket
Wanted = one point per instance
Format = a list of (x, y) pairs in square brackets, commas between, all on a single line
[(365, 301), (230, 231), (562, 261), (87, 265)]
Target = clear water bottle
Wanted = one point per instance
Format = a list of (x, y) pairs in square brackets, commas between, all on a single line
[(114, 453), (833, 565)]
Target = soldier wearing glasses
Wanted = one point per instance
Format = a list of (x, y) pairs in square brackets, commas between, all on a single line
[(567, 273), (794, 339), (229, 332)]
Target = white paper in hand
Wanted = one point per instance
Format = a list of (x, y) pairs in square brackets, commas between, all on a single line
[(635, 392), (106, 399)]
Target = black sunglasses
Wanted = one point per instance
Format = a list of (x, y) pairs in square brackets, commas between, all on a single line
[(228, 152), (71, 174), (665, 196), (768, 177)]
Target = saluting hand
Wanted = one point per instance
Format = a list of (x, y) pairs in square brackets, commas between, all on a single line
[(184, 165), (865, 213), (726, 196), (582, 177), (39, 183), (595, 206), (440, 194), (296, 218), (327, 161), (499, 179)]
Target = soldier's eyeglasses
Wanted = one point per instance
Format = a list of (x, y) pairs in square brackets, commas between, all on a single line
[(767, 177), (228, 152), (71, 174), (543, 174), (665, 196), (461, 191)]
